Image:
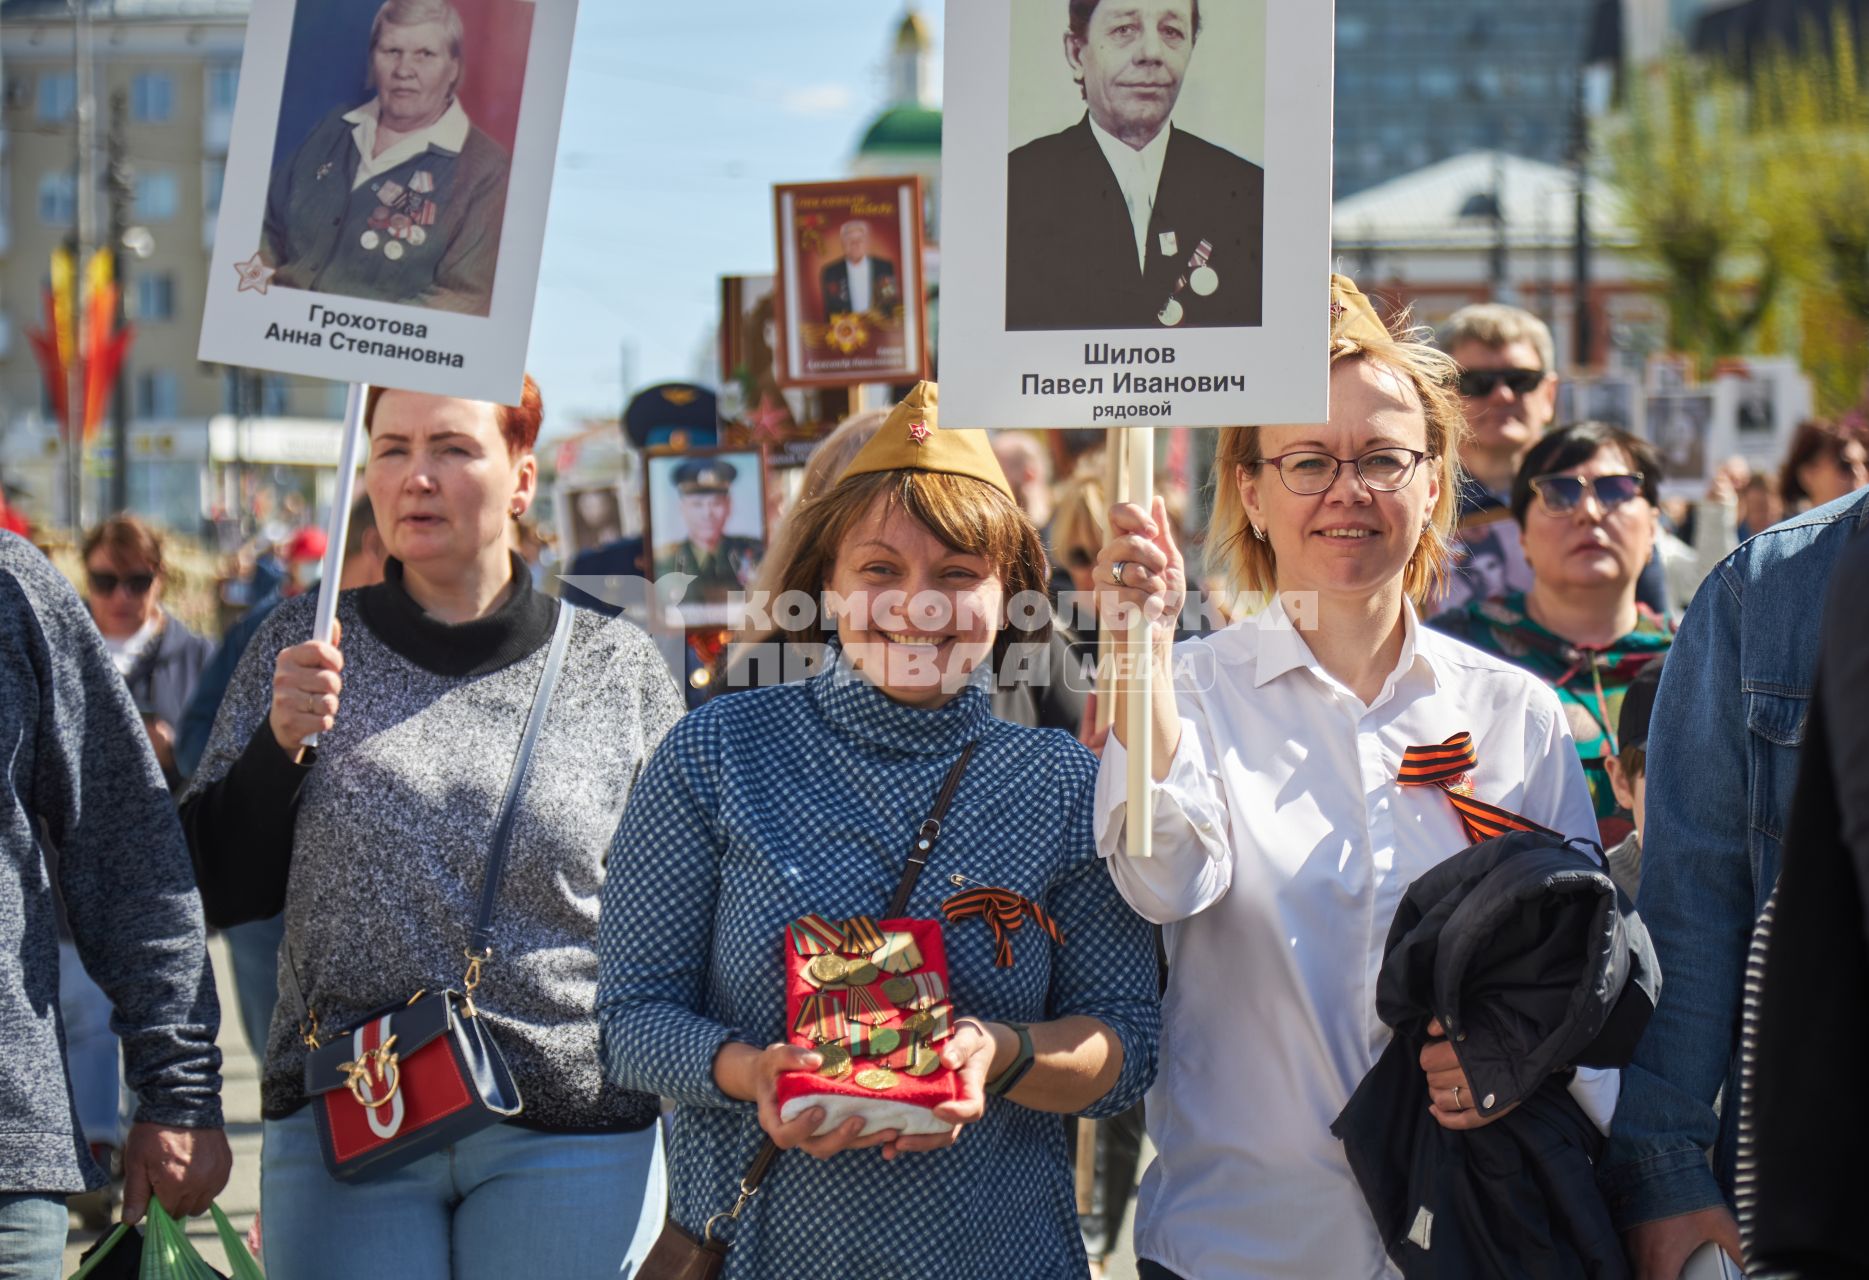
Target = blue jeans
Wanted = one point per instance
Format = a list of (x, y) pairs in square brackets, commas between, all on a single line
[(32, 1237), (254, 950), (504, 1203), (91, 1056)]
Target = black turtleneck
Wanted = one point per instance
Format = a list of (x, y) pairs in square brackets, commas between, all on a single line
[(240, 827), (515, 630)]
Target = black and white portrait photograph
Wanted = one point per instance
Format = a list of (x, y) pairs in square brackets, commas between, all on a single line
[(388, 174), (1615, 400), (1137, 198), (1135, 182), (1770, 396), (1687, 430)]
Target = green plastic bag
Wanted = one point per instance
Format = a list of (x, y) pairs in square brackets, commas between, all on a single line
[(168, 1254)]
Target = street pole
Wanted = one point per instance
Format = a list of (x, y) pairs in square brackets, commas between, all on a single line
[(86, 233), (117, 162), (1583, 334)]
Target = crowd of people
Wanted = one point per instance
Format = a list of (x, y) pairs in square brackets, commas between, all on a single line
[(1473, 765)]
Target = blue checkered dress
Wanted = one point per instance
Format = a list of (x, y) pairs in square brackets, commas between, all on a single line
[(774, 803)]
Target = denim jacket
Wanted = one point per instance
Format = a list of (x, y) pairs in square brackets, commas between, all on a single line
[(1722, 765)]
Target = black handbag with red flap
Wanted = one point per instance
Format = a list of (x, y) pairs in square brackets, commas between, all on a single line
[(414, 1078)]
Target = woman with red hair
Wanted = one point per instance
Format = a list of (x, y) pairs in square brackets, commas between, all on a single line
[(376, 845)]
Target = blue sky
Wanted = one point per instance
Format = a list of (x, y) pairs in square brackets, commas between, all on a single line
[(678, 120)]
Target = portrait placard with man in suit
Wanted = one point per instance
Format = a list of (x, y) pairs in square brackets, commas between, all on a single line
[(1127, 218)]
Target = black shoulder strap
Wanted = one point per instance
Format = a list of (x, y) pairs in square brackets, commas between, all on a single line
[(926, 833), (480, 942)]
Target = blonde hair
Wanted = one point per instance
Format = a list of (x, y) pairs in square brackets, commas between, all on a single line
[(1081, 515), (1249, 564), (1495, 325)]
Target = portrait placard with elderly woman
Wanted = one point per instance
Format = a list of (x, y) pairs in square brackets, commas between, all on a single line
[(397, 194)]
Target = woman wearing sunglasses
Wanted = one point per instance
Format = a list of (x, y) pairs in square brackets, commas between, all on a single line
[(158, 657), (1585, 502), (1283, 835)]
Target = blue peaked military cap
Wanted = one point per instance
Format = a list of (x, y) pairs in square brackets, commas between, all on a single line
[(672, 413)]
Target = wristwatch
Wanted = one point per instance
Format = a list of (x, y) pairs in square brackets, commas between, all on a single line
[(1006, 1080)]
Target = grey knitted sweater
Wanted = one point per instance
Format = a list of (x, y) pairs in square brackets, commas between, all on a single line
[(378, 846), (79, 768)]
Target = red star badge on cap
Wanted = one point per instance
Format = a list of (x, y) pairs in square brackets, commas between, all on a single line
[(919, 432), (254, 274)]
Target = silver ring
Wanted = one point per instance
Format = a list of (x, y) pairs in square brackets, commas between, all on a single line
[(1457, 1105), (1116, 571)]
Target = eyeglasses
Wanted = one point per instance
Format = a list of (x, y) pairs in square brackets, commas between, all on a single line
[(1308, 472), (106, 584), (1561, 495), (1477, 384)]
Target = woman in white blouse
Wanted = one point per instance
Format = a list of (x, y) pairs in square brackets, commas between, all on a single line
[(1282, 839)]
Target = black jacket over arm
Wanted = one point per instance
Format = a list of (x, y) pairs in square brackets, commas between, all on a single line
[(1071, 248), (1534, 963)]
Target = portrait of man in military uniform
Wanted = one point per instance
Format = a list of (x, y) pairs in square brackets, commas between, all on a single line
[(402, 197), (1126, 220), (719, 562)]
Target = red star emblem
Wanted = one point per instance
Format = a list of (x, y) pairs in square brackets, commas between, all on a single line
[(254, 274), (768, 420), (919, 432)]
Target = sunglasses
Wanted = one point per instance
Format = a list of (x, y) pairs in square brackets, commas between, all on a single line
[(106, 584), (1476, 384), (1561, 495)]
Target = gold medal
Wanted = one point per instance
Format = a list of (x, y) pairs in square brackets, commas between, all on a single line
[(883, 1041), (860, 973), (836, 1063), (877, 1078), (918, 1024), (828, 969), (923, 1061), (899, 990)]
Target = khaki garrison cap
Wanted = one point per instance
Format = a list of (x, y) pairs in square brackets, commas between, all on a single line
[(911, 440)]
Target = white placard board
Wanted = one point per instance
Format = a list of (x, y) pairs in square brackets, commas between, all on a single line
[(1692, 429), (407, 260), (1056, 312), (1771, 396)]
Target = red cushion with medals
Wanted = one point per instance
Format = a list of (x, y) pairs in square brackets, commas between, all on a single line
[(872, 997)]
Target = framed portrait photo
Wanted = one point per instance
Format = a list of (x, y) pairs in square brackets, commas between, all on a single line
[(1126, 238), (1613, 398), (1692, 431), (589, 516), (705, 516), (385, 196), (851, 302), (1770, 397)]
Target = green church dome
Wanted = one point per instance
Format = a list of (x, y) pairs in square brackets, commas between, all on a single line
[(904, 129)]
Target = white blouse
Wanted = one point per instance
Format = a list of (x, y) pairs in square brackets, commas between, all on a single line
[(1282, 846)]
